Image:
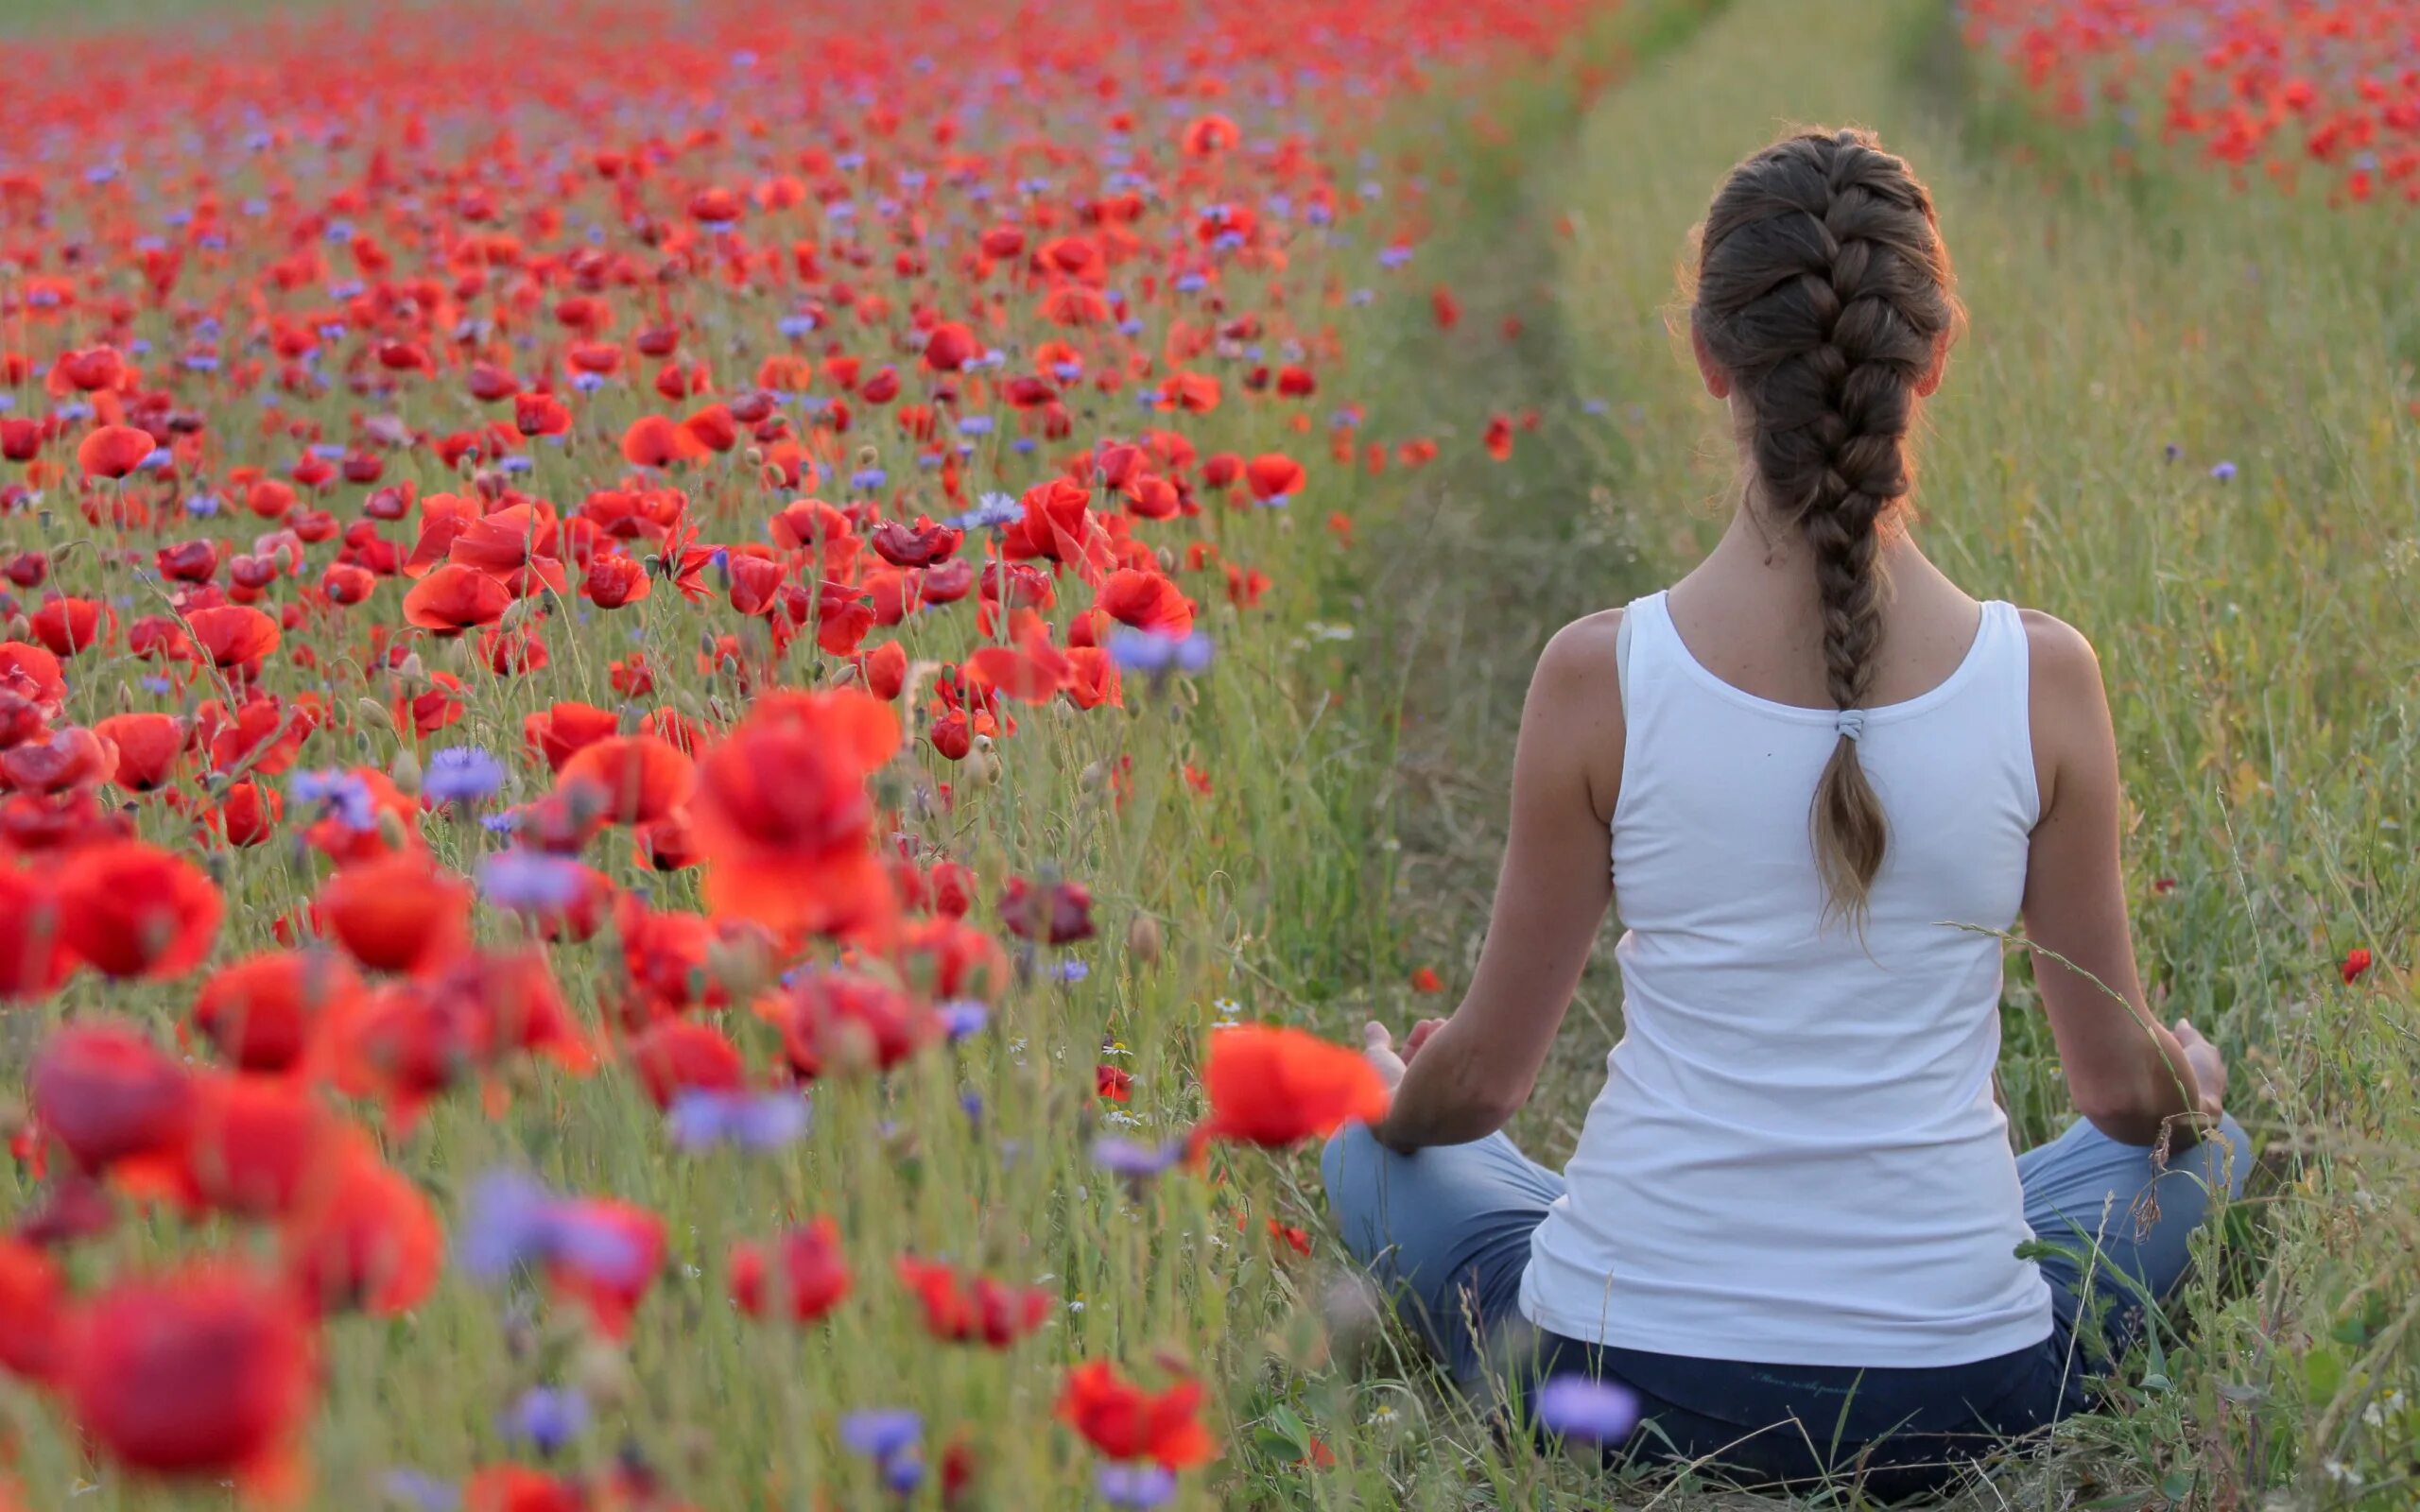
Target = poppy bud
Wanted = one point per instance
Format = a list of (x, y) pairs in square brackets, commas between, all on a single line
[(983, 766), (753, 457), (738, 966), (868, 456), (601, 1371), (1143, 939), (373, 711), (1092, 777), (406, 772), (413, 673)]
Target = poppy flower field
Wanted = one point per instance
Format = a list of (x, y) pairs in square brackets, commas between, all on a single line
[(623, 649), (706, 738)]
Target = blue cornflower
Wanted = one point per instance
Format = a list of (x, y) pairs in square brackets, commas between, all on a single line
[(547, 1419), (461, 773), (422, 1490), (202, 506), (867, 479), (343, 794), (702, 1119), (963, 1017), (991, 509), (531, 881), (1148, 651), (514, 1221), (2223, 472), (1137, 1487), (1132, 1160), (1595, 1411)]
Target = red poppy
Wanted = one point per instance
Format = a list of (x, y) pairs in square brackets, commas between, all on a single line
[(400, 912), (809, 1273), (558, 732), (256, 1146), (965, 1308), (233, 635), (260, 1013), (1049, 913), (248, 814), (106, 1093), (205, 1372), (657, 440), (34, 957), (32, 1312), (68, 625), (148, 747), (113, 450), (1273, 1085), (1273, 476), (674, 1056), (1148, 601), (835, 1023), (455, 598), (365, 1238), (782, 820), (68, 760), (128, 909), (1125, 1422), (635, 780), (614, 581)]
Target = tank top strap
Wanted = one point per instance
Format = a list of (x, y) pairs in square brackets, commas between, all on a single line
[(2008, 664)]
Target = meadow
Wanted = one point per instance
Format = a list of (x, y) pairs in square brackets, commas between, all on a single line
[(1348, 350)]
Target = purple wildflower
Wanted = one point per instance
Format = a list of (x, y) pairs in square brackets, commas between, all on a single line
[(529, 880), (702, 1119), (461, 773), (1147, 651), (418, 1489), (342, 795), (1595, 1411), (1139, 1486), (514, 1221), (1132, 1160), (2223, 472), (547, 1419), (963, 1018)]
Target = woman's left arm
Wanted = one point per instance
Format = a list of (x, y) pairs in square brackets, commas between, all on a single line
[(1476, 1070)]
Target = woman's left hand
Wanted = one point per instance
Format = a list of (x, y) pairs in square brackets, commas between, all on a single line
[(1379, 1046)]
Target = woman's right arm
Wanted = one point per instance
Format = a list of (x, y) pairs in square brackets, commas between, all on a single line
[(2130, 1075)]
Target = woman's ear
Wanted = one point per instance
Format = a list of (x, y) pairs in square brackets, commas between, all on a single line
[(1717, 382), (1932, 380)]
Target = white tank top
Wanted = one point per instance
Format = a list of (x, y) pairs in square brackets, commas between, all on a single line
[(1797, 1158)]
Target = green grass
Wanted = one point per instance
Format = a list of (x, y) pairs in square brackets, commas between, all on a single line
[(2260, 644)]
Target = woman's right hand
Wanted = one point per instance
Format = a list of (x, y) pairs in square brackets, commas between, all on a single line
[(2210, 1066), (1419, 1036)]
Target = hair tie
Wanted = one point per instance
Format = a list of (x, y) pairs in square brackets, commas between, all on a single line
[(1851, 723)]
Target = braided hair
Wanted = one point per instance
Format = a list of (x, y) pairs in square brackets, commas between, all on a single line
[(1824, 293)]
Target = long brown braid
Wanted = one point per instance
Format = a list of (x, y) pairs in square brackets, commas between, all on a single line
[(1824, 293)]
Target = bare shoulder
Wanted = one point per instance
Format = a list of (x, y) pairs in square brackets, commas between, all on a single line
[(2065, 668), (1584, 654), (1573, 722)]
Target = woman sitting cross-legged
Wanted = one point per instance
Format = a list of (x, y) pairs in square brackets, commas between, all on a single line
[(1824, 782)]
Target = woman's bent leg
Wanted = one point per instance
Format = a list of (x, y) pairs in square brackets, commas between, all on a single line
[(2112, 1208), (1445, 1231)]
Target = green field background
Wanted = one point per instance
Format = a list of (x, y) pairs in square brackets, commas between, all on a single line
[(2259, 636)]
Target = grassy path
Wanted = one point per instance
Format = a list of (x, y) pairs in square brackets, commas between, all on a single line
[(2176, 423)]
